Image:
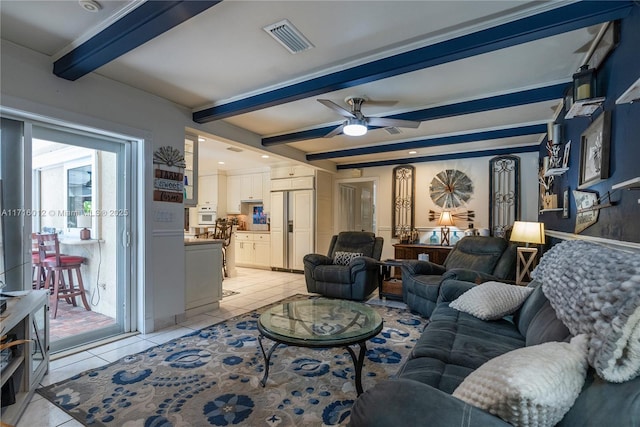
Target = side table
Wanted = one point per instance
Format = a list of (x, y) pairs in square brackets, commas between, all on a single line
[(390, 286)]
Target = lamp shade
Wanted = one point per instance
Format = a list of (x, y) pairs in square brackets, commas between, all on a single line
[(528, 232), (83, 221), (446, 219)]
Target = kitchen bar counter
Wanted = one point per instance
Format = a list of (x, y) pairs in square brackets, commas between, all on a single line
[(188, 241), (203, 275)]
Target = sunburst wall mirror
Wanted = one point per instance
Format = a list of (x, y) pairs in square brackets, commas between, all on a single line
[(451, 188)]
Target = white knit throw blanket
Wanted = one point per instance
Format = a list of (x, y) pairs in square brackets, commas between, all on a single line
[(595, 290)]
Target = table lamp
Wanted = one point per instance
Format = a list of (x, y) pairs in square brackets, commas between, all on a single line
[(526, 232), (444, 222)]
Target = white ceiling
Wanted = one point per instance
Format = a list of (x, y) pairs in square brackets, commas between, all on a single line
[(222, 55)]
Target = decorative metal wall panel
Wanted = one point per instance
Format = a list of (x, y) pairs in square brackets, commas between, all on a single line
[(504, 203), (402, 213)]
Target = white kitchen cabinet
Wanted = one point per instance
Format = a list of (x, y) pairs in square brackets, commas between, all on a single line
[(234, 193), (266, 192), (203, 276), (208, 190), (190, 192), (253, 249), (251, 187), (291, 171), (248, 188)]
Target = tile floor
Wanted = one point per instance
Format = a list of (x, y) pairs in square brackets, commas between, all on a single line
[(255, 288)]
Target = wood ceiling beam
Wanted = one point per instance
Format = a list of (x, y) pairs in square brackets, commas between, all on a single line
[(529, 96), (557, 21), (142, 24), (443, 157), (483, 135)]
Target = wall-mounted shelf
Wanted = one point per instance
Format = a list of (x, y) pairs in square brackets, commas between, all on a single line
[(630, 95), (631, 184), (584, 108), (555, 171)]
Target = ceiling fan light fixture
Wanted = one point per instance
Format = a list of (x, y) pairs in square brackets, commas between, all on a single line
[(355, 127)]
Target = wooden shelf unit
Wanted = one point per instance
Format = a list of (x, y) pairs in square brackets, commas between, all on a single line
[(26, 318)]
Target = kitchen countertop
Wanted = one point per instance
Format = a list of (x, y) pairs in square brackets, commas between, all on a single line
[(189, 241), (253, 231)]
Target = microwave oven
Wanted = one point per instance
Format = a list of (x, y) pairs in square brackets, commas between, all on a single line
[(206, 215)]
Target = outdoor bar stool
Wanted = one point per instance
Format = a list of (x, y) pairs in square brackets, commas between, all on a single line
[(38, 272), (56, 264)]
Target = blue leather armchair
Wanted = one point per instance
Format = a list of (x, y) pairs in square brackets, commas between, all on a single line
[(354, 281), (474, 259)]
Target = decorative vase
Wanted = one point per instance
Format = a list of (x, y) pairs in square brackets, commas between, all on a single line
[(434, 239), (455, 238)]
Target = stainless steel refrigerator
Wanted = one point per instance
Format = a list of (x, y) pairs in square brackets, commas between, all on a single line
[(292, 228)]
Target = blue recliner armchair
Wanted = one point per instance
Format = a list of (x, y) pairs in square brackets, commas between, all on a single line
[(474, 259), (340, 275)]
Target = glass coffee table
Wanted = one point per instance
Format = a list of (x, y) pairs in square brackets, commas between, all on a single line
[(320, 323)]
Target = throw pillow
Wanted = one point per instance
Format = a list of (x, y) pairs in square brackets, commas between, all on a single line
[(344, 258), (491, 300), (530, 386)]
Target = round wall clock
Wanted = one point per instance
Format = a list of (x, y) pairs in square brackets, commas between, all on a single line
[(450, 188)]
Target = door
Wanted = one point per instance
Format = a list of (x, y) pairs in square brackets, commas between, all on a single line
[(82, 184), (355, 201), (303, 209), (347, 208)]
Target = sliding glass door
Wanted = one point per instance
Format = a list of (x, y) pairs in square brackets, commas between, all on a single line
[(79, 189)]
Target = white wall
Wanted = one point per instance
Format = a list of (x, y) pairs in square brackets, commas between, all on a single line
[(28, 85), (476, 169)]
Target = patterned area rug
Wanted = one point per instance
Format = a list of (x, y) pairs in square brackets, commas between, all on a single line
[(211, 378)]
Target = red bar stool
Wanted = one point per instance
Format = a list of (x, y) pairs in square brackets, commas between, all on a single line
[(56, 264)]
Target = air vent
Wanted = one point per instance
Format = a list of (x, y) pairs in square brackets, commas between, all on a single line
[(235, 149), (393, 130), (288, 36)]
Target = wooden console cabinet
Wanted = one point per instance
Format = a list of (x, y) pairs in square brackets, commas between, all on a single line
[(437, 254), (391, 276)]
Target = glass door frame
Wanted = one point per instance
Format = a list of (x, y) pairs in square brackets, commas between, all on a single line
[(126, 149)]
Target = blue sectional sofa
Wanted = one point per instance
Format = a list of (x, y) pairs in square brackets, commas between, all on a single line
[(454, 344)]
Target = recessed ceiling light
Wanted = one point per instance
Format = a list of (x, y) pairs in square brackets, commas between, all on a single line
[(90, 5), (413, 152), (201, 139), (221, 163), (264, 156)]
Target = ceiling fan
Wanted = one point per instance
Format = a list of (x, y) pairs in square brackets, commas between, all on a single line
[(356, 123)]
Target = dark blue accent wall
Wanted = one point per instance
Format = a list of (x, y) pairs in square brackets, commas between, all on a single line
[(620, 69)]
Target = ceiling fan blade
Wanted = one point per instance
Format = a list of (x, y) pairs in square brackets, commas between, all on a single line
[(336, 131), (338, 109), (382, 122)]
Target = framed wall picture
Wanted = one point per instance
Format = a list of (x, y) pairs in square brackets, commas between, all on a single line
[(585, 215), (565, 203), (594, 151), (607, 43)]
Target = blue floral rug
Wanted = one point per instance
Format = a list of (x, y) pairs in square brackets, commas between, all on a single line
[(211, 378)]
